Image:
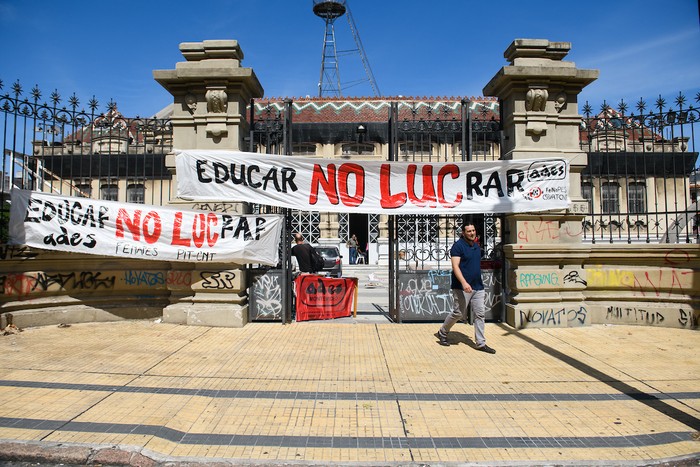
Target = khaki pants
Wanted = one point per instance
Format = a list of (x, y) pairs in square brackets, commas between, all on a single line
[(460, 303)]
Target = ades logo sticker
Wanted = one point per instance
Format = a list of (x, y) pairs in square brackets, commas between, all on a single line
[(546, 170)]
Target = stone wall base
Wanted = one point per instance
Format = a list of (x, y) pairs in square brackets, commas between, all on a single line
[(548, 315), (207, 314), (77, 313)]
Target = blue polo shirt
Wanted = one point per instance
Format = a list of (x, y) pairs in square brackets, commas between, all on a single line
[(469, 264)]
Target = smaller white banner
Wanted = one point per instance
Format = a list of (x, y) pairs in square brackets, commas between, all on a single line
[(83, 225)]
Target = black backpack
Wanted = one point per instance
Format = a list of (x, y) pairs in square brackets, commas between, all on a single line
[(317, 262)]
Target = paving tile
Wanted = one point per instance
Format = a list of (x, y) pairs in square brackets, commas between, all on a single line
[(356, 393)]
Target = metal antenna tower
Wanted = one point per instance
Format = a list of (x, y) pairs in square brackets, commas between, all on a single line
[(329, 81)]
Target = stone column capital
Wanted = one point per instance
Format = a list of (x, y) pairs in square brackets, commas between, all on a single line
[(211, 91)]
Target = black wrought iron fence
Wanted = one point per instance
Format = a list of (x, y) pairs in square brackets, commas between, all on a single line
[(55, 145), (445, 131), (270, 288), (641, 181)]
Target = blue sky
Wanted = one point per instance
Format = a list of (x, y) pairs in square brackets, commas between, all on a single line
[(108, 50)]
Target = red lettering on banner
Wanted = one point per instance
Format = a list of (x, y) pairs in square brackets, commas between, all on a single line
[(387, 200), (154, 235), (177, 229), (344, 172), (428, 199), (212, 220), (328, 184), (203, 225), (199, 228), (123, 219), (136, 227), (453, 171)]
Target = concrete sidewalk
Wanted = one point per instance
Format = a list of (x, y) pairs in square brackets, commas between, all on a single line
[(143, 393)]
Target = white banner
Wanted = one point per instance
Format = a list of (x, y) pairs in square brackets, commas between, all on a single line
[(338, 185), (84, 225)]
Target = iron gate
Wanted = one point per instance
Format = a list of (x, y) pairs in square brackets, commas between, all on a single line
[(419, 245), (271, 294), (270, 288), (419, 262)]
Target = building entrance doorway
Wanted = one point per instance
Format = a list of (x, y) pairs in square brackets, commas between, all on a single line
[(359, 226)]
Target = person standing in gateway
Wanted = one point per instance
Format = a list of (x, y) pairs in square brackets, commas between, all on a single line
[(352, 249), (302, 252), (467, 288)]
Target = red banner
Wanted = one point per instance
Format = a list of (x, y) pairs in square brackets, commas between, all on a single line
[(320, 297)]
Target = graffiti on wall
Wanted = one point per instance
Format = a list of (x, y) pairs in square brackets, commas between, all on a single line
[(651, 317), (548, 279), (688, 318), (537, 279), (16, 252), (266, 296), (492, 287), (24, 284), (650, 282), (215, 207), (27, 283), (426, 295), (157, 279), (554, 317), (547, 231), (144, 278), (218, 280)]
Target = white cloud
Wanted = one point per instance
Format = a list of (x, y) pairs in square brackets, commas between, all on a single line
[(607, 53)]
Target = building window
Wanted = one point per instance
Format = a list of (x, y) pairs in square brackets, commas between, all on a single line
[(358, 149), (136, 193), (611, 198), (109, 192), (418, 229), (307, 223), (304, 149), (587, 193), (636, 198), (83, 190), (481, 151), (415, 150)]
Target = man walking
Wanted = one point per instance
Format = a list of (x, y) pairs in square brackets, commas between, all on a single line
[(467, 287)]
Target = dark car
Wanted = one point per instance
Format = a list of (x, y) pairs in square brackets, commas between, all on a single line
[(333, 261)]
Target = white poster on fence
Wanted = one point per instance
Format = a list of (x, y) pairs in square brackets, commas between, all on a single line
[(338, 185), (84, 225)]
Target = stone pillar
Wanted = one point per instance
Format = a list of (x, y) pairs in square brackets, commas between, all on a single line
[(538, 94), (210, 93)]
